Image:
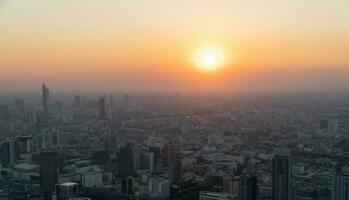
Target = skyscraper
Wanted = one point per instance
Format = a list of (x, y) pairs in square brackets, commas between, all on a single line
[(248, 188), (48, 173), (45, 99), (9, 152), (102, 108), (175, 171), (169, 154), (127, 185), (77, 101), (281, 183), (340, 189), (126, 161), (147, 161), (157, 157)]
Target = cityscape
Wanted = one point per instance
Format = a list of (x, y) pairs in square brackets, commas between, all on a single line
[(172, 146), (174, 100)]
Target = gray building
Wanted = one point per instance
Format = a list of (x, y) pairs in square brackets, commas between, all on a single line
[(281, 180)]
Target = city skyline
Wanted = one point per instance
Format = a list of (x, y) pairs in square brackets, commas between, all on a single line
[(174, 100)]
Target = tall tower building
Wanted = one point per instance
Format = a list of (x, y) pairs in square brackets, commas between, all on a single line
[(77, 101), (48, 173), (9, 152), (102, 108), (175, 171), (147, 161), (248, 189), (127, 185), (340, 190), (281, 180), (157, 157), (45, 99), (169, 154), (126, 161)]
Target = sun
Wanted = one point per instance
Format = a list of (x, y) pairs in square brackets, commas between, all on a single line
[(209, 58)]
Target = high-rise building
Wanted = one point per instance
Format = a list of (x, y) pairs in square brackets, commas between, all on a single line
[(45, 99), (48, 173), (147, 161), (127, 185), (185, 190), (126, 161), (9, 152), (231, 185), (102, 108), (169, 154), (77, 101), (157, 157), (340, 190), (281, 172), (175, 171), (248, 189)]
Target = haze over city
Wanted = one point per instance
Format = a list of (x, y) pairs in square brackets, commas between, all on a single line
[(150, 45), (174, 100)]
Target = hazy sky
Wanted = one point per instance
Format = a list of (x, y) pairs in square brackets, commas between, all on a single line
[(121, 45)]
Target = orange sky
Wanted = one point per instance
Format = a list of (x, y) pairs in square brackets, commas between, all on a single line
[(147, 45)]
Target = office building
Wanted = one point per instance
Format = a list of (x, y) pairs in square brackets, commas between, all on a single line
[(169, 154), (281, 176), (126, 161), (147, 161), (102, 108), (48, 173), (9, 152), (45, 99), (175, 171), (127, 185), (157, 157), (248, 189)]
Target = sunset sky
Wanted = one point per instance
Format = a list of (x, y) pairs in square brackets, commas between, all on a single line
[(149, 45)]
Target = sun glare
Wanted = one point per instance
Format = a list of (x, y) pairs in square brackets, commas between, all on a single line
[(209, 58)]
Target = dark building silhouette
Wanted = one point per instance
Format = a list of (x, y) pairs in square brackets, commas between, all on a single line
[(9, 152), (248, 188), (185, 190), (77, 101), (157, 158), (102, 108), (281, 180), (147, 161), (62, 159), (127, 185), (175, 171), (169, 154), (126, 161), (48, 173), (45, 99)]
